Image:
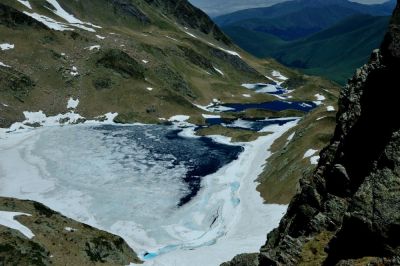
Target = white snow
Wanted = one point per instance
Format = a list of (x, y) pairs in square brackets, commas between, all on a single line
[(6, 46), (314, 160), (261, 87), (7, 220), (278, 75), (4, 65), (61, 26), (206, 116), (213, 108), (25, 3), (219, 71), (70, 229), (246, 95), (49, 22), (230, 52), (320, 118), (100, 37), (309, 153), (74, 71), (171, 38), (5, 105), (291, 136), (91, 48), (330, 109), (320, 97), (179, 118), (59, 11), (72, 104), (149, 89), (191, 35), (145, 61)]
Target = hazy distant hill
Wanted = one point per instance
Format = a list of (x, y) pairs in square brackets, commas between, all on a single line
[(306, 34)]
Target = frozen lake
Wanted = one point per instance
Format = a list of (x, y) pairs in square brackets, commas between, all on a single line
[(175, 198)]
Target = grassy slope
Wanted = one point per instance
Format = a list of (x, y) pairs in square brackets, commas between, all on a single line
[(52, 244)]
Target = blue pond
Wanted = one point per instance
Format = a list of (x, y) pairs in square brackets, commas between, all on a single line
[(272, 106)]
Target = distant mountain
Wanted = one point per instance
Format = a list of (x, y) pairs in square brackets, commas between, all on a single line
[(308, 34), (300, 18), (216, 8)]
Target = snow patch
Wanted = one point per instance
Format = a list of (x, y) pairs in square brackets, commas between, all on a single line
[(206, 116), (72, 104), (179, 118), (330, 109), (59, 11), (246, 95), (6, 46), (7, 220), (49, 22), (70, 229), (149, 89), (100, 37), (171, 38), (309, 153), (314, 160), (74, 71), (219, 71), (291, 136), (91, 48), (25, 3), (320, 97), (145, 61), (191, 35), (4, 65), (278, 75)]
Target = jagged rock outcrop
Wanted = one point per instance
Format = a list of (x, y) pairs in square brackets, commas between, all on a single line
[(348, 211), (190, 16)]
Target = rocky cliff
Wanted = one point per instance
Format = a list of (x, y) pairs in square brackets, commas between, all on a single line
[(348, 210)]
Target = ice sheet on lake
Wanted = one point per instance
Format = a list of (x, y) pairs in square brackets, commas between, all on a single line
[(124, 187)]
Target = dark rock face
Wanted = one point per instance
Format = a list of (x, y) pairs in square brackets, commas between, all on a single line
[(190, 16), (353, 197), (126, 7), (235, 62), (12, 18), (122, 63)]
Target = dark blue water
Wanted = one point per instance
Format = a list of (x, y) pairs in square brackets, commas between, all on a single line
[(272, 106), (201, 156)]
